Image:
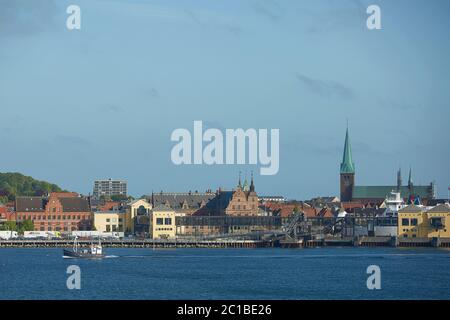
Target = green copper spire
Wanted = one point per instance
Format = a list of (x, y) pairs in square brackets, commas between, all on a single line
[(347, 165)]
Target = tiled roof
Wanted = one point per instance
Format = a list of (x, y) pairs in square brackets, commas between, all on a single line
[(30, 204), (411, 209), (176, 200), (220, 201), (441, 208), (75, 204), (162, 207)]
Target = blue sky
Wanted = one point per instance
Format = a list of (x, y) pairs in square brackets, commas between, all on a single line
[(101, 102)]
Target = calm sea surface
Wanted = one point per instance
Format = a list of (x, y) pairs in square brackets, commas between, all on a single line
[(322, 273)]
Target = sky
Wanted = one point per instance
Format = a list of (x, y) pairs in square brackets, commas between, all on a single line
[(101, 102)]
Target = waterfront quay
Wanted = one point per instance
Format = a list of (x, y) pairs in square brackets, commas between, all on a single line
[(233, 243)]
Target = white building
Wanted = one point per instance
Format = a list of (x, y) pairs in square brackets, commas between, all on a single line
[(109, 188)]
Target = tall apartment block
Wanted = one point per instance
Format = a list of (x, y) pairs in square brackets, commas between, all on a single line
[(109, 188)]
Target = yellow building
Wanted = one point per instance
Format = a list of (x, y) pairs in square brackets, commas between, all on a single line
[(109, 221), (134, 208), (418, 222), (162, 223), (438, 220)]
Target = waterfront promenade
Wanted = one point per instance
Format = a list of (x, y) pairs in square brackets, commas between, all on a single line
[(231, 243)]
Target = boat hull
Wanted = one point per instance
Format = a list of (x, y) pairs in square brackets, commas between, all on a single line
[(82, 255)]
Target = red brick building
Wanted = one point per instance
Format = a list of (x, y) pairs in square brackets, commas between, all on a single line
[(242, 201), (3, 213), (63, 211)]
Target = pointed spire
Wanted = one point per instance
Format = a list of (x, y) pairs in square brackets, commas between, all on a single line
[(239, 184), (252, 185), (347, 165)]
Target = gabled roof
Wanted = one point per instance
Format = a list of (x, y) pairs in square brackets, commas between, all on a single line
[(72, 204), (30, 204), (441, 208), (411, 209), (162, 207), (136, 201), (221, 201), (176, 200)]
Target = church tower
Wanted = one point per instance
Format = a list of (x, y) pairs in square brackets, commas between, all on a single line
[(347, 172)]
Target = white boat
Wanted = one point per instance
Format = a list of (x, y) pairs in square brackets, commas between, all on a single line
[(95, 251)]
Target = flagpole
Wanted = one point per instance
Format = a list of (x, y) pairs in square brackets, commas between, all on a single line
[(448, 196)]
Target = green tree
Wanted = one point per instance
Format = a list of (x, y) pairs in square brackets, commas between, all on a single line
[(121, 198), (26, 225), (105, 198), (9, 226), (14, 184)]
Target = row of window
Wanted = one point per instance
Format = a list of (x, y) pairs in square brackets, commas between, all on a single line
[(243, 207), (45, 217), (409, 222), (253, 199), (56, 223), (162, 221), (114, 228)]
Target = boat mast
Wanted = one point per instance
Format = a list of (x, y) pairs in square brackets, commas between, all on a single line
[(75, 244)]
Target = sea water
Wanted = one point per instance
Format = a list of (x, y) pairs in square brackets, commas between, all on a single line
[(313, 273)]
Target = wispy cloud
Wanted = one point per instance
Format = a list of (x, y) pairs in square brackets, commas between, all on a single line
[(208, 19), (325, 88), (269, 10)]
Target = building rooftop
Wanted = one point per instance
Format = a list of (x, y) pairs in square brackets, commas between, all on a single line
[(109, 212), (411, 209), (162, 207), (30, 204), (190, 200), (441, 208), (75, 204)]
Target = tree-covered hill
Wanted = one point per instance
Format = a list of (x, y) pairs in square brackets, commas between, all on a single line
[(14, 184)]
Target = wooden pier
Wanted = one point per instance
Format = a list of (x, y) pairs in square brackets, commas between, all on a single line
[(147, 243)]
